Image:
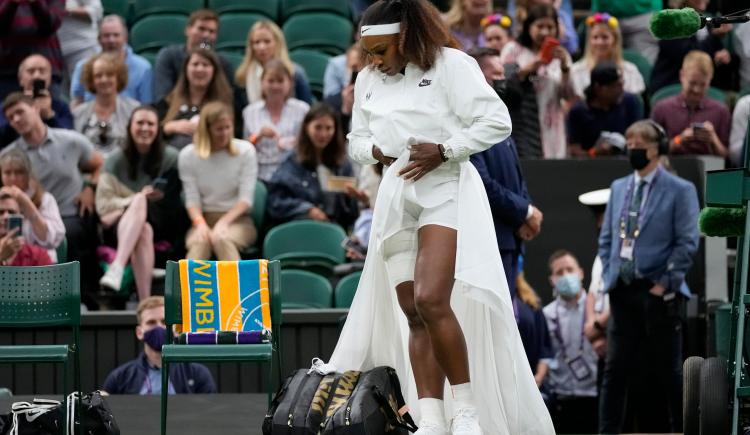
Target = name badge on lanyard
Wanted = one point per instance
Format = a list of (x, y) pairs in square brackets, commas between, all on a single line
[(576, 364), (626, 251), (628, 243)]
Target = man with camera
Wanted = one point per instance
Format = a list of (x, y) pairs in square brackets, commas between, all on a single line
[(34, 78), (14, 249)]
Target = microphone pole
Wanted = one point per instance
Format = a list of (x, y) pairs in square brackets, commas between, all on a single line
[(714, 22)]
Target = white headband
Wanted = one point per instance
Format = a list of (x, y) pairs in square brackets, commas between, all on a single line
[(381, 29)]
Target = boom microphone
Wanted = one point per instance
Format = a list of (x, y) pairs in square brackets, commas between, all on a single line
[(722, 222), (685, 22)]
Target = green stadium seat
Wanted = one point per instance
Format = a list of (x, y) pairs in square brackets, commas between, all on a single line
[(152, 33), (337, 7), (314, 63), (670, 90), (345, 290), (640, 62), (303, 289), (117, 7), (258, 212), (62, 251), (267, 8), (306, 244), (233, 30), (145, 8), (332, 35)]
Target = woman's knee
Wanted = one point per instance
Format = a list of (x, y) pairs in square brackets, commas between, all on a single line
[(430, 304), (405, 292)]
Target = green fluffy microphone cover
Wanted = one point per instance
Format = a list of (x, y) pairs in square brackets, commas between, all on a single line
[(675, 23), (722, 222)]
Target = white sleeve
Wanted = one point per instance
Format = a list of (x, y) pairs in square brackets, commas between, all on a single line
[(739, 130), (482, 113), (360, 138)]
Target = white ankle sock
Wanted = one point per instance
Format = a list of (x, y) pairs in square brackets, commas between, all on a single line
[(432, 410), (463, 396)]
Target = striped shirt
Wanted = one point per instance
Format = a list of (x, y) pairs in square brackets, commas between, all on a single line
[(30, 28)]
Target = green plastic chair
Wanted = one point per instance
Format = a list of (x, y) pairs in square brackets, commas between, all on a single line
[(5, 394), (145, 8), (743, 92), (118, 7), (62, 251), (268, 8), (345, 290), (332, 35), (234, 58), (42, 296), (258, 214), (306, 244), (233, 29), (674, 89), (218, 353), (640, 62), (314, 63), (152, 33), (303, 289), (337, 7)]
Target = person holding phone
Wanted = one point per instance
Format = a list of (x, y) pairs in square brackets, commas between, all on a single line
[(542, 66), (320, 155), (14, 248), (138, 200), (433, 301), (343, 100)]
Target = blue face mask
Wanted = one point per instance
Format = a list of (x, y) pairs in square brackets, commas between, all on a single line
[(155, 337), (568, 285)]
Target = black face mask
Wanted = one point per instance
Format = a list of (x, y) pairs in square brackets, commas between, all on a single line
[(508, 94), (638, 158)]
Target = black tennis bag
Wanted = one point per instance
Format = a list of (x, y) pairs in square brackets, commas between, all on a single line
[(349, 403)]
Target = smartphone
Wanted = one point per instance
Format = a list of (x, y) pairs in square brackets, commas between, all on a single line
[(38, 87), (354, 77), (698, 126), (14, 221), (159, 183), (548, 46), (353, 244)]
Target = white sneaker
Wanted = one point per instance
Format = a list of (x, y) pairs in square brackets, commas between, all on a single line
[(159, 273), (112, 278), (427, 427), (466, 422)]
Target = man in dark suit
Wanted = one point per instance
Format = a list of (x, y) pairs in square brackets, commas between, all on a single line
[(647, 241), (516, 219)]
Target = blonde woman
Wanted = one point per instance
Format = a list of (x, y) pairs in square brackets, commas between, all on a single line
[(219, 204), (265, 42), (464, 19), (604, 42)]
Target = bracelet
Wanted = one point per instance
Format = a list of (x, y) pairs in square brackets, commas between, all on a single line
[(198, 221), (87, 183), (441, 149), (253, 138)]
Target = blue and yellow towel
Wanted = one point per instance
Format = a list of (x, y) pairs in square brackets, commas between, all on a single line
[(225, 296)]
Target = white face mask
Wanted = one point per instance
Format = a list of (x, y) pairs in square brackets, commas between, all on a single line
[(568, 285)]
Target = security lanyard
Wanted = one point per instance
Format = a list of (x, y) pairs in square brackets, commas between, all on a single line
[(558, 332), (641, 207)]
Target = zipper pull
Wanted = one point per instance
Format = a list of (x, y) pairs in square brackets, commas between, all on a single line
[(289, 422), (347, 414)]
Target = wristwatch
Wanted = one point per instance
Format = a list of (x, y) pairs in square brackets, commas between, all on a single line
[(443, 153)]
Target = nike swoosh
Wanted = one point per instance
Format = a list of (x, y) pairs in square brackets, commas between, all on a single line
[(364, 31)]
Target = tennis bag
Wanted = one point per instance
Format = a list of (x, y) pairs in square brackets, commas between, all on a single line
[(349, 403)]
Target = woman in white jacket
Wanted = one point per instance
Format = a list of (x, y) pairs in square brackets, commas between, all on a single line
[(421, 108)]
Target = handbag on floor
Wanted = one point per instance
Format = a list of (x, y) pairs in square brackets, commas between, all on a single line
[(45, 417), (39, 417), (349, 403)]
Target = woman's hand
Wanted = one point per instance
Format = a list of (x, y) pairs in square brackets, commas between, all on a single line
[(152, 194), (358, 194), (24, 202), (561, 54), (423, 158), (268, 132), (201, 233), (317, 214), (378, 155)]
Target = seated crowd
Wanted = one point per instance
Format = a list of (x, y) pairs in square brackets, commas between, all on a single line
[(164, 162)]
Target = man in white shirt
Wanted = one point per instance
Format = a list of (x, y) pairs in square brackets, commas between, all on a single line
[(739, 131), (572, 376)]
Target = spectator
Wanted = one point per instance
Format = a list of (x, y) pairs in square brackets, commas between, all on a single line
[(77, 33), (54, 112), (532, 327), (104, 120), (742, 49), (646, 244), (57, 159), (338, 71), (302, 187), (515, 218), (113, 38), (201, 32), (218, 205), (138, 200), (29, 27), (566, 29), (200, 83), (343, 99), (604, 43), (573, 371), (273, 123), (673, 51), (539, 124), (266, 42), (464, 20), (42, 224), (143, 374), (634, 17), (695, 123), (15, 250), (739, 131), (596, 126), (497, 30)]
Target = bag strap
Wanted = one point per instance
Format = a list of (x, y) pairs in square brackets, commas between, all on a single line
[(393, 417), (399, 396)]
